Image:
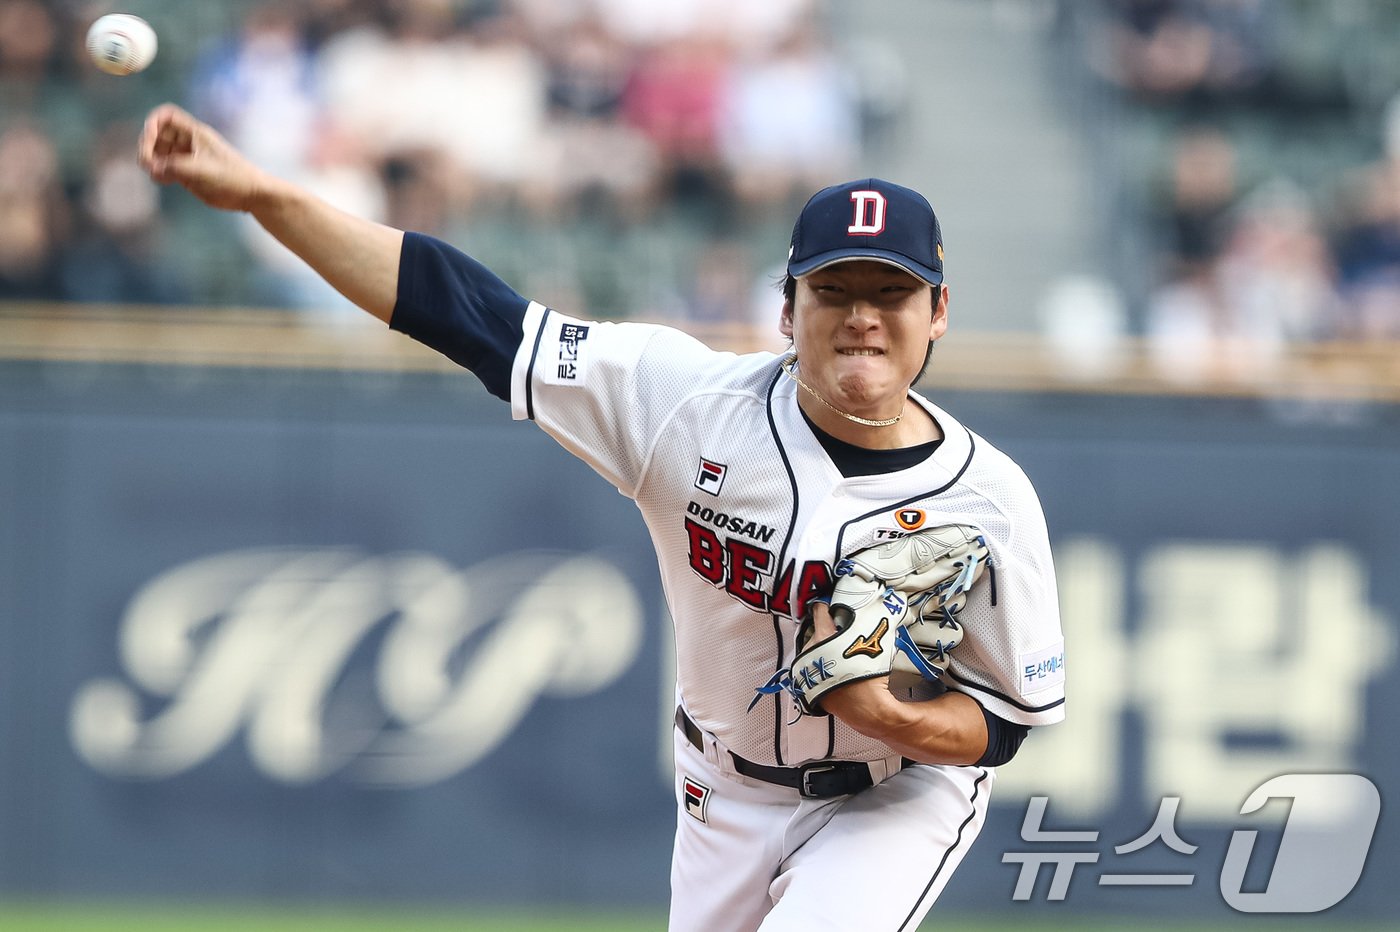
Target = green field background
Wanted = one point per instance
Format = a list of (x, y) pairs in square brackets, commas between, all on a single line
[(38, 917)]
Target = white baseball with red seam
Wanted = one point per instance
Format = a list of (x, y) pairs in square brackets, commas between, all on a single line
[(121, 44)]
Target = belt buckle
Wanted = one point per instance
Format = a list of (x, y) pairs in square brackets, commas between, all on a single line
[(805, 784)]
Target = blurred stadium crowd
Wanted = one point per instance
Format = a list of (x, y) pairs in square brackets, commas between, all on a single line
[(621, 157), (1256, 149), (561, 128)]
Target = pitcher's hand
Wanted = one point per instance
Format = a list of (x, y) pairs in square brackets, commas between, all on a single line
[(177, 147)]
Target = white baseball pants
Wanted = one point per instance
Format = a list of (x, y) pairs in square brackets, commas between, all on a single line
[(753, 856)]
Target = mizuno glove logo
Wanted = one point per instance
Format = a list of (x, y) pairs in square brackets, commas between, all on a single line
[(870, 646)]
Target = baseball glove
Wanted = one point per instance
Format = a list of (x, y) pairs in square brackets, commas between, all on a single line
[(868, 614), (932, 628), (927, 573)]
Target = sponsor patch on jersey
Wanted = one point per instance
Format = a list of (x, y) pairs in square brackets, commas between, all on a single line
[(697, 797), (911, 519), (710, 476), (1042, 669), (570, 365), (727, 522)]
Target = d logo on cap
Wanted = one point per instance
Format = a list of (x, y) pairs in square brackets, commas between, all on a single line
[(870, 213), (868, 219)]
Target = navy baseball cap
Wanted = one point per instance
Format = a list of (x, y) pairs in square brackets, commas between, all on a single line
[(868, 219)]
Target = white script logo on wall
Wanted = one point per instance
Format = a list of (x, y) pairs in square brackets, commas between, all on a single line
[(268, 640)]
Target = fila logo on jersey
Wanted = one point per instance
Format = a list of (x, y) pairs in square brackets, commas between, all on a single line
[(710, 478), (570, 336), (697, 798), (869, 218)]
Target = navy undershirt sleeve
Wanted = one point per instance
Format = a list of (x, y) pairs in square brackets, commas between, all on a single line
[(1003, 739), (452, 303)]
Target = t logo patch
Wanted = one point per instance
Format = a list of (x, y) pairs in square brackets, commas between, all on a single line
[(869, 217), (710, 478), (911, 519)]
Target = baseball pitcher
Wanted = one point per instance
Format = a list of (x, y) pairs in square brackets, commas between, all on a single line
[(864, 602)]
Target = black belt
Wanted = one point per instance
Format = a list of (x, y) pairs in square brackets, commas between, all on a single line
[(821, 779)]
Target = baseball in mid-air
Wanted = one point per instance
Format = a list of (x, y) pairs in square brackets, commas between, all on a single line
[(121, 44)]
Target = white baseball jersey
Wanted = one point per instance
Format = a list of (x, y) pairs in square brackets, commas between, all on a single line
[(749, 515)]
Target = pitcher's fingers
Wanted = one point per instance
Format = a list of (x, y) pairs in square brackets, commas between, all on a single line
[(145, 143), (155, 120), (151, 131), (171, 128), (172, 168), (173, 138), (166, 143)]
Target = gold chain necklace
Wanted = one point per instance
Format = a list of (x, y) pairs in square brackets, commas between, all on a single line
[(790, 361)]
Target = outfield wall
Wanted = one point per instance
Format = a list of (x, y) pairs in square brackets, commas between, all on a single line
[(343, 635)]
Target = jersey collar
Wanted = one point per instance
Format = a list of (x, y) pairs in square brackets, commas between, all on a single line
[(948, 461)]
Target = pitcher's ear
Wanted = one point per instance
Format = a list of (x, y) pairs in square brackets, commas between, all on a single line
[(939, 324)]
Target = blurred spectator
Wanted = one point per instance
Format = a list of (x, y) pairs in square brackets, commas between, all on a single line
[(1198, 51), (590, 157), (259, 89), (742, 25), (1192, 211), (1368, 241), (33, 214), (648, 24), (476, 94), (546, 18), (790, 120), (326, 19), (1275, 271), (1270, 286), (755, 29), (417, 191), (588, 70), (28, 42), (675, 98), (114, 254)]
